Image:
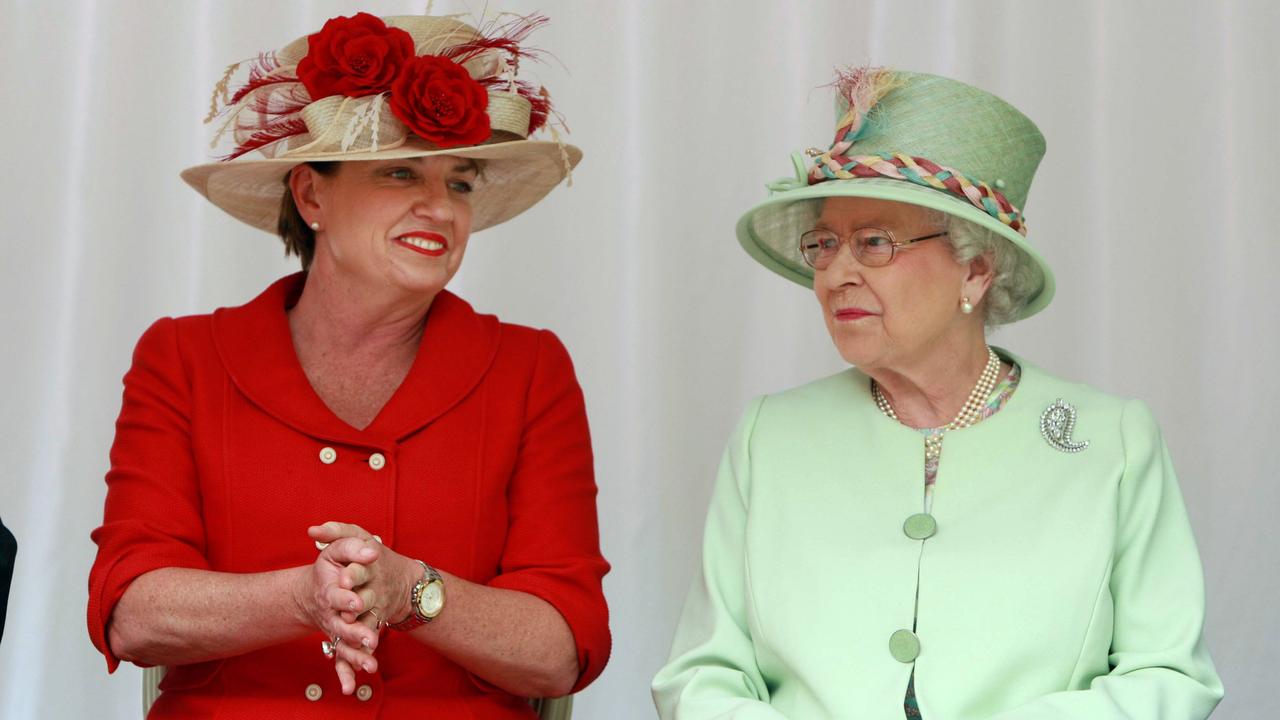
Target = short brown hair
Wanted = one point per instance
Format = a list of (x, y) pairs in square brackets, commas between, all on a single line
[(299, 239)]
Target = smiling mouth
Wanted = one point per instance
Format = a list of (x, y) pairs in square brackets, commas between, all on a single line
[(431, 244)]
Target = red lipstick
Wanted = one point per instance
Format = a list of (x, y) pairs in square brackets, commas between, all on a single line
[(852, 314), (426, 243)]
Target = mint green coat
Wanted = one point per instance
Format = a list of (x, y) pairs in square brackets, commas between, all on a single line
[(1057, 585)]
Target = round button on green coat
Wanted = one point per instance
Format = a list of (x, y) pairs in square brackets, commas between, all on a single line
[(920, 526), (904, 646)]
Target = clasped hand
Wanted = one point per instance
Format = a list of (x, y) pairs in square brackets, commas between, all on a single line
[(355, 587)]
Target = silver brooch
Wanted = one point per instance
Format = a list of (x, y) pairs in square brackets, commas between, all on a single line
[(1057, 423)]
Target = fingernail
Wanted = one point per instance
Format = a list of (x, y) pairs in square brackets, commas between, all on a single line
[(367, 667), (364, 642)]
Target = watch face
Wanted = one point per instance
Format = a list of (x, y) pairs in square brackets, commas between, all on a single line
[(431, 601)]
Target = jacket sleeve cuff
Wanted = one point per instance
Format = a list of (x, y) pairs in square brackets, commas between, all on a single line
[(588, 621)]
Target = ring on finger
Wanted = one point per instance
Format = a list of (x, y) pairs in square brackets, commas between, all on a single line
[(330, 647), (381, 623)]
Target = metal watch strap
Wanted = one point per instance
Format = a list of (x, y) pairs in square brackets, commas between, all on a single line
[(415, 618)]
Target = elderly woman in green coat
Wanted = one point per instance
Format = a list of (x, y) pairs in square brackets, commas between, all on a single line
[(944, 530)]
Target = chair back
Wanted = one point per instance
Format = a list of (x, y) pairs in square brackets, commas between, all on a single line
[(151, 678), (560, 708)]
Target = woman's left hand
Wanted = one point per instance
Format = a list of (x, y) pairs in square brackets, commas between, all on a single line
[(382, 586)]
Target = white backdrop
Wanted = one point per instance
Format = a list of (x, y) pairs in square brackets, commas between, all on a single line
[(1155, 204)]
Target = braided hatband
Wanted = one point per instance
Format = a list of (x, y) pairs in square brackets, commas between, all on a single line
[(833, 166)]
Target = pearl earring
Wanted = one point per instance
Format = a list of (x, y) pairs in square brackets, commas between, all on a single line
[(966, 307), (315, 226)]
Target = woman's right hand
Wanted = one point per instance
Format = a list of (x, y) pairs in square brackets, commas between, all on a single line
[(322, 601)]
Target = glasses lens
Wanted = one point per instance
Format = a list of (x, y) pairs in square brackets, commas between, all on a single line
[(818, 248), (873, 246)]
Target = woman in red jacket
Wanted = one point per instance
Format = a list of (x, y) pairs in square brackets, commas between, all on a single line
[(356, 447)]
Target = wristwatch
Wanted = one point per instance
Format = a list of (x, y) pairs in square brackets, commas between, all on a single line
[(426, 600)]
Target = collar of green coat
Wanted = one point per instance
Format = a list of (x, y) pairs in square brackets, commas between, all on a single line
[(1018, 421)]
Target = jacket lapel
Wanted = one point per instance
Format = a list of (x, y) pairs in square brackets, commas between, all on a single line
[(457, 349), (256, 348)]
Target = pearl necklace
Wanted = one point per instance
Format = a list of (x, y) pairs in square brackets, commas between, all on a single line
[(968, 414)]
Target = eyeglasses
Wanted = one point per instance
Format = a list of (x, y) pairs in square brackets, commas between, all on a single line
[(872, 247)]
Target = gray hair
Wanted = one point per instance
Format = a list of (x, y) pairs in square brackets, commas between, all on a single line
[(1016, 279)]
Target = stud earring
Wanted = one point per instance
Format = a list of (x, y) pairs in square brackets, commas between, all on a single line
[(966, 307), (315, 226)]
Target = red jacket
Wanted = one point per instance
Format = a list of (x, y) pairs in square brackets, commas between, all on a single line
[(217, 465)]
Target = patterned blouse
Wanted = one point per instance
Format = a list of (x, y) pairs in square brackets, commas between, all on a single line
[(999, 397)]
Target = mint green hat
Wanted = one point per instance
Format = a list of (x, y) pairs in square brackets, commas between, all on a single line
[(913, 138)]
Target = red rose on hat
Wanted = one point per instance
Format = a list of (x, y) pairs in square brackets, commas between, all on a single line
[(440, 101), (354, 56)]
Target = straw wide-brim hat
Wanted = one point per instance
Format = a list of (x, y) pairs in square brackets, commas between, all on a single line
[(911, 138), (515, 172)]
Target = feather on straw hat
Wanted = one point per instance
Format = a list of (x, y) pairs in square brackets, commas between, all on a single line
[(368, 88)]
